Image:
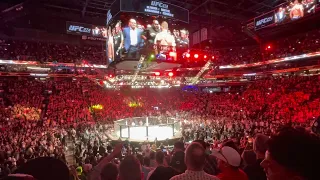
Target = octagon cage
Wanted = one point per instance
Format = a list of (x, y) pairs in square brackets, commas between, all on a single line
[(147, 128)]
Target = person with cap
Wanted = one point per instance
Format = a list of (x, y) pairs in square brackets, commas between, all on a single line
[(177, 160), (229, 161), (195, 159), (255, 171)]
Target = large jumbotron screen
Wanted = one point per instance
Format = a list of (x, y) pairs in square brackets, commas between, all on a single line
[(147, 27), (288, 12), (294, 10)]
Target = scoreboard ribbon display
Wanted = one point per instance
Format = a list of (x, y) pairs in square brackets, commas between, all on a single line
[(82, 29), (78, 28), (264, 20), (155, 8)]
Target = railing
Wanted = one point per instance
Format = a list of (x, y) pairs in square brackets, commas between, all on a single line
[(273, 61)]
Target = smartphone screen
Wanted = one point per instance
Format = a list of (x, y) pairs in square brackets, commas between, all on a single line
[(164, 150)]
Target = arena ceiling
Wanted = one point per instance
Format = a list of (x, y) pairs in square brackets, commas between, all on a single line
[(207, 11), (223, 18)]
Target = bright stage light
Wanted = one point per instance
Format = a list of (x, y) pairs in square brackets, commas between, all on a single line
[(196, 56), (188, 55), (157, 73), (170, 74), (269, 47)]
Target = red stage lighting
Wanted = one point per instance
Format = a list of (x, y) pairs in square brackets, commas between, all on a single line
[(205, 56), (212, 57), (170, 74), (196, 56), (268, 47), (157, 73), (110, 75), (188, 55)]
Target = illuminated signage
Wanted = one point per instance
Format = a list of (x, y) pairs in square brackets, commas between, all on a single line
[(155, 8)]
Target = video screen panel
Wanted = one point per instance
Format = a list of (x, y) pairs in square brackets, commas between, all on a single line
[(132, 35), (294, 10), (264, 20)]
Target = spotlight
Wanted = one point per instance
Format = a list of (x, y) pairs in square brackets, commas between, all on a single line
[(268, 47), (170, 74), (205, 56), (188, 55), (157, 73), (196, 56)]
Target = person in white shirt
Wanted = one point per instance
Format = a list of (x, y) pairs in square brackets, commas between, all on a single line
[(164, 40)]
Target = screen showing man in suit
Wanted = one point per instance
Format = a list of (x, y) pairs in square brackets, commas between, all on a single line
[(133, 41), (148, 36)]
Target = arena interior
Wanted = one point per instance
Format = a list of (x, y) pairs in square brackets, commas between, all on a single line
[(159, 90)]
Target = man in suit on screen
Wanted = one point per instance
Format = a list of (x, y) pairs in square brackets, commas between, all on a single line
[(133, 41)]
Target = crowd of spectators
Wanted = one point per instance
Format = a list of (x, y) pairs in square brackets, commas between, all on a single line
[(51, 52), (285, 47), (50, 129), (51, 118), (68, 53), (42, 121)]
